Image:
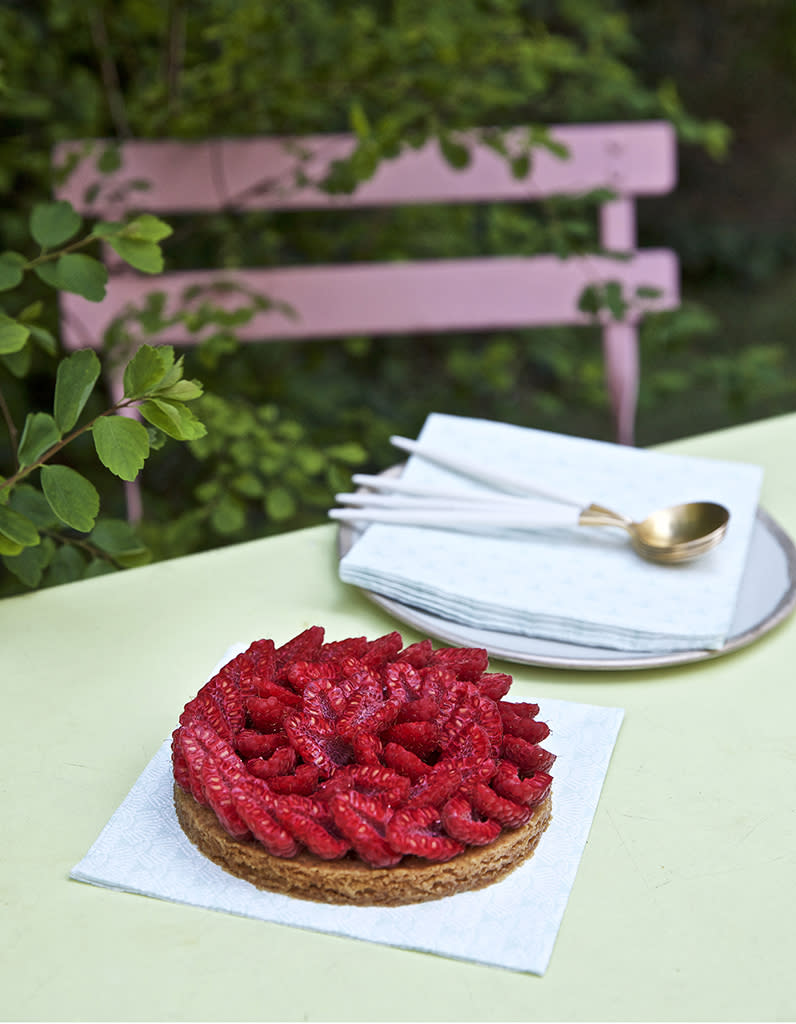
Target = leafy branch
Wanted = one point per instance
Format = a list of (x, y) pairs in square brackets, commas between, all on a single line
[(36, 517)]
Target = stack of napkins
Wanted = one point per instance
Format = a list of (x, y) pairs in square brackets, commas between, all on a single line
[(582, 585)]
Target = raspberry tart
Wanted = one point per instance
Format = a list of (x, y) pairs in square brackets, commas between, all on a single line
[(362, 771)]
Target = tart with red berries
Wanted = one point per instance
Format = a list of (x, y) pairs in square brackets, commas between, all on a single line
[(362, 772)]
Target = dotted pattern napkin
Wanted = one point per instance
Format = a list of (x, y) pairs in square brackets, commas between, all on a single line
[(582, 585)]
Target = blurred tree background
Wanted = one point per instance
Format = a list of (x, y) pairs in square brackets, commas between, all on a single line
[(287, 423)]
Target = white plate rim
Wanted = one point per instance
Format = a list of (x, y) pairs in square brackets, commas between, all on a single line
[(505, 649)]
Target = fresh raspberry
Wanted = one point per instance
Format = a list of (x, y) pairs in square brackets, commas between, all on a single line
[(382, 650), (367, 749), (302, 782), (366, 709), (471, 750), (403, 680), (466, 662), (266, 714), (182, 776), (219, 796), (436, 681), (417, 655), (439, 783), (193, 757), (422, 738), (460, 823), (208, 708), (488, 803), (281, 762), (216, 746), (304, 647), (250, 743), (456, 711), (494, 684), (488, 717), (530, 791), (523, 708), (363, 821), (258, 666), (423, 709), (404, 761), (318, 745), (311, 823), (284, 694), (378, 781), (519, 720), (304, 674), (336, 650), (324, 701), (265, 828), (230, 699), (528, 757), (416, 831)]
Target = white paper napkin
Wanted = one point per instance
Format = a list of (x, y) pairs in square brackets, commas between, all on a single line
[(577, 585), (511, 924)]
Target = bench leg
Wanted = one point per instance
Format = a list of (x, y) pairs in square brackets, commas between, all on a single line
[(620, 353)]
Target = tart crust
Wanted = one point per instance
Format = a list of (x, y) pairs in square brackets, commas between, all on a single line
[(350, 880)]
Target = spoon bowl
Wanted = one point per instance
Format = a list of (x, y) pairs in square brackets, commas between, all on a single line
[(677, 534)]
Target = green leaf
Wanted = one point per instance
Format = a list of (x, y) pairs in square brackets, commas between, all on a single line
[(457, 155), (74, 382), (146, 370), (122, 445), (228, 515), (39, 433), (67, 565), (106, 228), (173, 418), (52, 224), (11, 272), (31, 312), (18, 363), (279, 503), (17, 529), (147, 228), (73, 498), (139, 253), (48, 272), (13, 335), (118, 539), (32, 504), (9, 547), (29, 565), (81, 274), (110, 159), (520, 166), (44, 339), (182, 391), (358, 120), (351, 452)]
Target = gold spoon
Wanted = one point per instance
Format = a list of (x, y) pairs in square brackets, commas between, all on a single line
[(677, 534)]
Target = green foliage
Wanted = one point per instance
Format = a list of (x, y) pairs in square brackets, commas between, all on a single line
[(49, 525), (255, 471), (287, 423)]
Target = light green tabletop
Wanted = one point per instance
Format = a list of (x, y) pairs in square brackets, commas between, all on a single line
[(681, 909)]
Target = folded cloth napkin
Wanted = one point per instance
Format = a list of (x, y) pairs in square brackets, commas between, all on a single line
[(577, 584), (513, 923)]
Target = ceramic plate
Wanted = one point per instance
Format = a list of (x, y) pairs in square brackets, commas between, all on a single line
[(767, 595)]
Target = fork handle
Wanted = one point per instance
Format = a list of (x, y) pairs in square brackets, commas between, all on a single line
[(460, 518), (502, 481)]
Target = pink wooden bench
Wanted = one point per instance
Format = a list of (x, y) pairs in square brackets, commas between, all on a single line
[(496, 292)]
